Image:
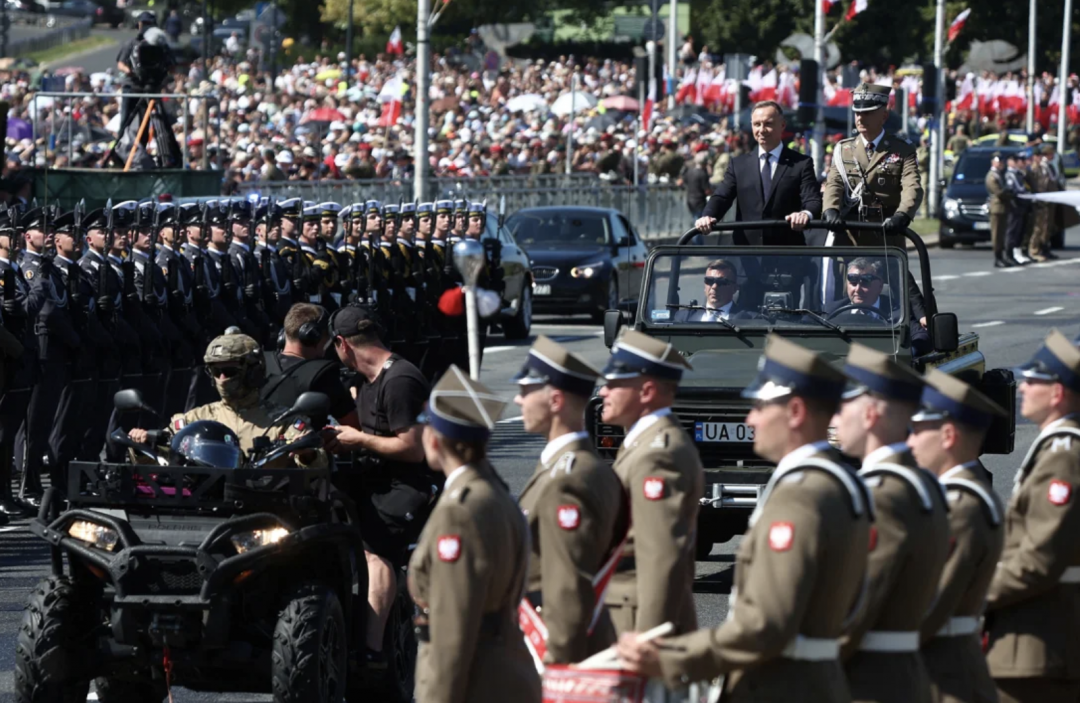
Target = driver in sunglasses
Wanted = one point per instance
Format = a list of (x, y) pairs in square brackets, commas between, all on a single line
[(721, 284), (866, 303), (236, 365)]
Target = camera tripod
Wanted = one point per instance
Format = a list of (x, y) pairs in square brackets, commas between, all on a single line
[(158, 121)]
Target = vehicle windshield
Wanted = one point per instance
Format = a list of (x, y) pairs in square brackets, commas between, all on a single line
[(974, 165), (753, 289), (560, 229)]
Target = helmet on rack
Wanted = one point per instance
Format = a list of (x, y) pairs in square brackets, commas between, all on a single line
[(206, 443)]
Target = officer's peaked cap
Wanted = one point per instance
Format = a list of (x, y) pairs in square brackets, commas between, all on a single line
[(869, 96), (869, 370), (945, 397), (462, 409), (637, 354), (550, 363), (1056, 361), (788, 369)]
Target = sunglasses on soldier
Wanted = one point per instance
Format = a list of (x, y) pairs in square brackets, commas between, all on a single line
[(226, 370)]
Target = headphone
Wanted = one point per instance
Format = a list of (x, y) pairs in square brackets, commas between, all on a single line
[(311, 333)]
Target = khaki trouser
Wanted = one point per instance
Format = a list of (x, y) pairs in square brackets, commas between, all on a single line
[(998, 222), (1033, 690), (1040, 234)]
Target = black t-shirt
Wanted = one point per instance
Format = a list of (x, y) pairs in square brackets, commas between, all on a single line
[(328, 382), (391, 404)]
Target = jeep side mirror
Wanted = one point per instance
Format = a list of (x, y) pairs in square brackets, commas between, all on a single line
[(613, 321), (130, 400), (945, 332)]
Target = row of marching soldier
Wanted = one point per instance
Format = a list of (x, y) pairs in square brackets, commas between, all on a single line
[(885, 569), (80, 321)]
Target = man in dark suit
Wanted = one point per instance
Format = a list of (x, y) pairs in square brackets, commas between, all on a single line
[(864, 285), (721, 285), (771, 182)]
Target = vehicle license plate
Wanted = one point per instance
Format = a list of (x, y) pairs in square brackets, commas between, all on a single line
[(541, 289), (982, 226), (723, 432)]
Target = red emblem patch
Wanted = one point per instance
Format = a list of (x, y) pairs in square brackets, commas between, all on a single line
[(654, 488), (449, 547), (873, 538), (1060, 492), (781, 536), (569, 517)]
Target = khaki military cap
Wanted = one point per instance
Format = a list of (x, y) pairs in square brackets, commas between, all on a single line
[(788, 369), (461, 408), (871, 371), (947, 398), (869, 96), (1057, 361), (636, 354), (550, 363)]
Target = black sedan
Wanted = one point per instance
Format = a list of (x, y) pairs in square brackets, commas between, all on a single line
[(584, 259), (964, 213)]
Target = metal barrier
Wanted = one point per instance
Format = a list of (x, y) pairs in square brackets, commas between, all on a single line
[(185, 118), (57, 37), (655, 210)]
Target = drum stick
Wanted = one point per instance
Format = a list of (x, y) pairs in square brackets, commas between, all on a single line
[(610, 655)]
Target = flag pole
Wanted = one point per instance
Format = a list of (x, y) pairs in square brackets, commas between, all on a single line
[(1031, 68), (1063, 77)]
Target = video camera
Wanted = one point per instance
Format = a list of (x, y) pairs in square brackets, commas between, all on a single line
[(151, 60)]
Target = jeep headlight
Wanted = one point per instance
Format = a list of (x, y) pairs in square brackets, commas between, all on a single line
[(587, 270), (246, 541), (952, 207), (94, 534)]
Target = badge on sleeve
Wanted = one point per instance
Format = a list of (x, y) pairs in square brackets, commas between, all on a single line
[(569, 517), (449, 547), (781, 536), (1060, 492), (654, 488), (299, 425)]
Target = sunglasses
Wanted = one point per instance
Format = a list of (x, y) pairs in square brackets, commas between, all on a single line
[(229, 371), (865, 279), (718, 281)]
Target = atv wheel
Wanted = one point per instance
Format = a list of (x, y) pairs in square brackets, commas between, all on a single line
[(51, 643), (309, 648), (125, 691)]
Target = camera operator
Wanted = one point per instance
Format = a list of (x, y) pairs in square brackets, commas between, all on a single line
[(124, 61), (393, 487), (302, 365), (146, 62)]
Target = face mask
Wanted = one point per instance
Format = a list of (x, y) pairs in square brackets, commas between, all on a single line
[(233, 389)]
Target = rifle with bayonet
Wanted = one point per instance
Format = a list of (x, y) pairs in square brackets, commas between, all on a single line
[(14, 319), (149, 297), (74, 272), (106, 301), (201, 297)]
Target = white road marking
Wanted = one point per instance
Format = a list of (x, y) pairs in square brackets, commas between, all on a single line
[(992, 323), (946, 277), (509, 419), (549, 326), (496, 350), (977, 274), (1047, 311)]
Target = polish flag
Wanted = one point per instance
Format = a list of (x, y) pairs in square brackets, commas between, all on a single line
[(390, 96), (958, 24), (687, 91), (701, 86), (394, 44), (650, 102), (716, 90), (827, 5), (766, 88), (855, 8), (965, 99)]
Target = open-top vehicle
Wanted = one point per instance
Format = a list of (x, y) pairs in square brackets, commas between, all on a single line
[(825, 298), (204, 568)]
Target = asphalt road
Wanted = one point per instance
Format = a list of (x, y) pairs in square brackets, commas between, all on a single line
[(101, 58), (1011, 309)]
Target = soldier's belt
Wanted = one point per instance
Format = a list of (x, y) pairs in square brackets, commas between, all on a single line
[(1070, 575), (812, 649), (959, 627), (491, 626), (881, 641)]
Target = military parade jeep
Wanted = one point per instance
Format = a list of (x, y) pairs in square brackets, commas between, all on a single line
[(804, 294)]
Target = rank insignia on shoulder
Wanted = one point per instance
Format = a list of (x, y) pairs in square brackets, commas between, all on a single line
[(781, 536), (569, 517), (1062, 443), (564, 464), (449, 547), (660, 441), (1060, 492), (654, 488)]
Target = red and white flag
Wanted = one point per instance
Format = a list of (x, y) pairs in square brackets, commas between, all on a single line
[(958, 24), (650, 102), (855, 8), (827, 5), (394, 44), (390, 96), (687, 90)]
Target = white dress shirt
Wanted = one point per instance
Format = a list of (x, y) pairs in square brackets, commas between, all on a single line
[(556, 445)]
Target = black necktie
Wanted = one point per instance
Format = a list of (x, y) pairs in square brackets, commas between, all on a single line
[(766, 175), (869, 150)]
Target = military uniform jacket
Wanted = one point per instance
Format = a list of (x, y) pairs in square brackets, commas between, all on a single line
[(578, 515), (890, 178), (277, 285), (1033, 606), (88, 325), (1000, 196), (467, 577), (29, 302), (799, 573), (661, 471), (909, 542), (208, 292), (957, 667), (52, 322), (320, 277), (181, 295)]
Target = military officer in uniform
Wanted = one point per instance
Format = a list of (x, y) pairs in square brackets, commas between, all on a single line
[(467, 575), (909, 538), (292, 215), (873, 177), (319, 270), (946, 437), (661, 471), (460, 221), (246, 266), (179, 307), (1032, 606), (328, 221), (800, 568), (999, 197), (277, 284), (407, 227), (577, 511), (217, 250), (444, 220), (425, 226)]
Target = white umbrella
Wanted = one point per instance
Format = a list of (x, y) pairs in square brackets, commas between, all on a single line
[(530, 102), (581, 101)]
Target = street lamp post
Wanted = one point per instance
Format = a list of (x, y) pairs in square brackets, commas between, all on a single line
[(348, 45), (1063, 76), (423, 76)]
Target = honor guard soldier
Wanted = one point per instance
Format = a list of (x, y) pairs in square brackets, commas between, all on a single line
[(661, 471), (909, 540), (1032, 609), (391, 213), (460, 222), (277, 284), (947, 434), (800, 568), (407, 228), (319, 275), (207, 293), (249, 275), (467, 575), (354, 271), (577, 511), (873, 177), (292, 215), (328, 221), (58, 349), (444, 221), (180, 306), (217, 249), (425, 226)]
